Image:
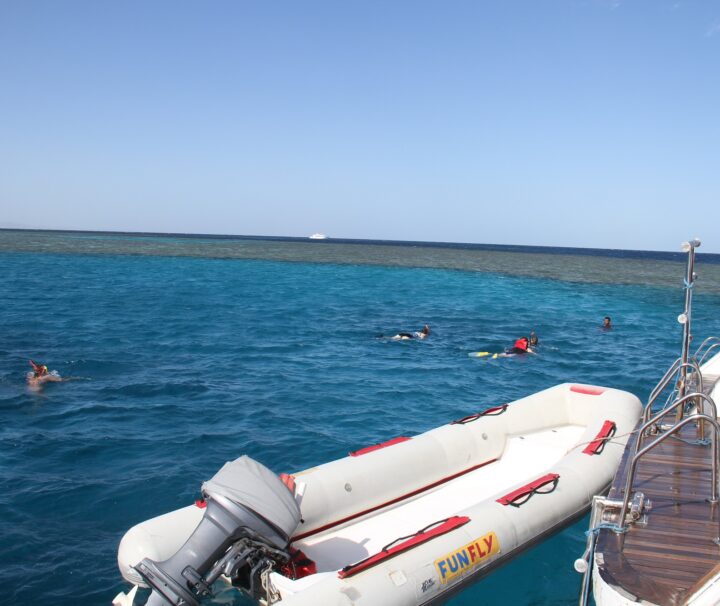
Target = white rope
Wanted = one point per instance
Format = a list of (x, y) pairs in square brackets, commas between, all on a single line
[(271, 594), (608, 439)]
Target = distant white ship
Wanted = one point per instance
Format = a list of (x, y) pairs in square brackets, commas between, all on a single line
[(318, 237)]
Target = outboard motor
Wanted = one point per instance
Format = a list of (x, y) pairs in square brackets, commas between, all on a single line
[(249, 518)]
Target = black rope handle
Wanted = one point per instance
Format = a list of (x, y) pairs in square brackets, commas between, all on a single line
[(522, 499), (410, 536), (606, 439), (431, 531), (490, 412)]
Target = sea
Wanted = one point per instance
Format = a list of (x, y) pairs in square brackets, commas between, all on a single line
[(188, 351)]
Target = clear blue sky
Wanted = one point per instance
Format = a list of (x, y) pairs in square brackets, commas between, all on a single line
[(563, 122)]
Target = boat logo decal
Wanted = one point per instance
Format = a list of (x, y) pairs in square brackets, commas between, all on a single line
[(467, 557)]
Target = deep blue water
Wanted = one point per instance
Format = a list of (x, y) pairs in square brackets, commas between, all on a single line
[(186, 362)]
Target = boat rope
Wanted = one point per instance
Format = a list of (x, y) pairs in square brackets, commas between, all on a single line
[(691, 441), (608, 439), (596, 447), (606, 526), (703, 442), (271, 594)]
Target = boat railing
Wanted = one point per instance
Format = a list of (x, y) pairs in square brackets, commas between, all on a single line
[(677, 367), (706, 347), (697, 397), (601, 505), (627, 508), (697, 417), (662, 383)]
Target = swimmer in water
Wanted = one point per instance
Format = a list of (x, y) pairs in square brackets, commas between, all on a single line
[(406, 336), (521, 347), (41, 375), (607, 323)]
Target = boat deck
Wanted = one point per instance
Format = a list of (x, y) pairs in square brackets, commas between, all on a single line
[(666, 560)]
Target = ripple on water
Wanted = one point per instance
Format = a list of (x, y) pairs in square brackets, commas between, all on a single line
[(189, 362)]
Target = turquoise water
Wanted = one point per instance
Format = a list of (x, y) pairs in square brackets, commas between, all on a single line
[(185, 361)]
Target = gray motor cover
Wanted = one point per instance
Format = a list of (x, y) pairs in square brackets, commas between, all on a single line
[(253, 485), (243, 497)]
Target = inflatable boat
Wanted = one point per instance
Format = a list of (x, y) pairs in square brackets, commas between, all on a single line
[(406, 522)]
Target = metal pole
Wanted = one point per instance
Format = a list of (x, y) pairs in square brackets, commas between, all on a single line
[(685, 318), (587, 575), (584, 564)]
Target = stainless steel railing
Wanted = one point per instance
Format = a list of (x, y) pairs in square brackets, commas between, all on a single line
[(600, 504), (700, 417), (699, 395), (674, 429), (708, 345), (676, 368)]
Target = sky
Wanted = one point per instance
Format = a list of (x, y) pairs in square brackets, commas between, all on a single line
[(592, 123)]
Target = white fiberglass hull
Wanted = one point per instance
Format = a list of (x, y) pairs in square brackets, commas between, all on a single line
[(463, 483), (606, 594)]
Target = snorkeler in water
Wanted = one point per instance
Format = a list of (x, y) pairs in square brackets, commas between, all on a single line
[(41, 375), (406, 336), (521, 347)]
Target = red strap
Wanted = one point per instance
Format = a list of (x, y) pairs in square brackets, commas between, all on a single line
[(588, 390), (422, 536), (528, 489), (607, 430), (367, 449)]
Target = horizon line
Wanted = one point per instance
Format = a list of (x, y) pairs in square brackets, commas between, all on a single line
[(382, 242)]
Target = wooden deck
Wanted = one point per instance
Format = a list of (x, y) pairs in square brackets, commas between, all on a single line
[(668, 559)]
